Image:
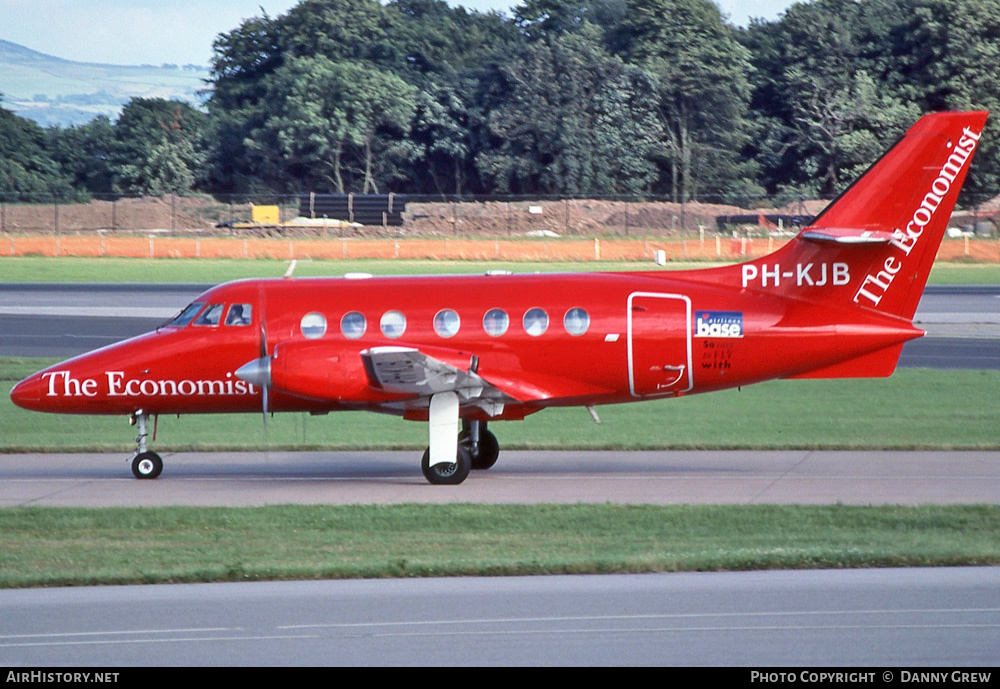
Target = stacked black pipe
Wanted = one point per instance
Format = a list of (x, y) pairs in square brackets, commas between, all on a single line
[(363, 209)]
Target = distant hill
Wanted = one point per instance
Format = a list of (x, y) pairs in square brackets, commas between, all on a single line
[(54, 91)]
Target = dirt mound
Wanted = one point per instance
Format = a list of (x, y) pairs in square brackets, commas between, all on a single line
[(563, 218)]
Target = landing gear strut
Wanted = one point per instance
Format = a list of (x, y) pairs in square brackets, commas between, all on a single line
[(482, 444), (145, 464), (474, 448)]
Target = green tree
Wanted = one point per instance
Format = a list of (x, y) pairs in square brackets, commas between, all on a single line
[(27, 169), (947, 52), (702, 71), (84, 153), (823, 98), (332, 120), (572, 120), (159, 147), (552, 17), (243, 60), (442, 135)]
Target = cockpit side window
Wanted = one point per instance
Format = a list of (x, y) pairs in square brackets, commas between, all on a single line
[(211, 315), (186, 315), (239, 314)]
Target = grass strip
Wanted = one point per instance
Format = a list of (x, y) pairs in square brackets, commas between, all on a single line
[(914, 409), (169, 270), (63, 546)]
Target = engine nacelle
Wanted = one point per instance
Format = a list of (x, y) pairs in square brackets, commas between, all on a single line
[(324, 371)]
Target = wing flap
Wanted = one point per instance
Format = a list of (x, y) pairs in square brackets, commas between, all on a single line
[(411, 371)]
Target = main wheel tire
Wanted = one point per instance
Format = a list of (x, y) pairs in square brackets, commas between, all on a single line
[(447, 473), (147, 465), (489, 449)]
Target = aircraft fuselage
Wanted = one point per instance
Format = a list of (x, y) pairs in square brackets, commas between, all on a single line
[(544, 340)]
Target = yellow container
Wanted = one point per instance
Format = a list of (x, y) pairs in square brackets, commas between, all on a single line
[(265, 215)]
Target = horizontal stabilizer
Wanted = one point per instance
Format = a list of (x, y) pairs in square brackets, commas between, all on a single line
[(878, 364), (845, 236)]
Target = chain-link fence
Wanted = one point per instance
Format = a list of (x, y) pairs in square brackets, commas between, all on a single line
[(428, 217)]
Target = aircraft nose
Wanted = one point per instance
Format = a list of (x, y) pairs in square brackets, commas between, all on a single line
[(27, 393)]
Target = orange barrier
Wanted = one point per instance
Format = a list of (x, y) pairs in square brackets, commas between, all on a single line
[(710, 248)]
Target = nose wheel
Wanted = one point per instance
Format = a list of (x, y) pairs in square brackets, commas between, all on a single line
[(147, 465)]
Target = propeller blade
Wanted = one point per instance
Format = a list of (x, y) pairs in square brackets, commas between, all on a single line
[(265, 407)]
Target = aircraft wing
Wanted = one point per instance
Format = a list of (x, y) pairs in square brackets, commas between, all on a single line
[(408, 370), (411, 371)]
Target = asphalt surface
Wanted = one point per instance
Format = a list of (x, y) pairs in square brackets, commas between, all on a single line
[(676, 477), (870, 620)]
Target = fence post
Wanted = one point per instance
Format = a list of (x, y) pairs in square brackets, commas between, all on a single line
[(114, 214), (173, 211)]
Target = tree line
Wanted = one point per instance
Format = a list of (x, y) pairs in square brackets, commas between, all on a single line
[(564, 97)]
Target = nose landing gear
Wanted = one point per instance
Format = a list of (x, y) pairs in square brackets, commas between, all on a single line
[(145, 464)]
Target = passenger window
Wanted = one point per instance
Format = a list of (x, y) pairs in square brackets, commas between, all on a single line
[(536, 321), (393, 324), (185, 316), (313, 325), (353, 325), (239, 314), (576, 321), (446, 323), (496, 322), (211, 315)]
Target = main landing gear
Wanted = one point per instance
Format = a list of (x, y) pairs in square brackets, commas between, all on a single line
[(145, 464), (474, 448)]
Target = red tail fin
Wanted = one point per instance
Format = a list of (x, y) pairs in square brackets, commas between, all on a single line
[(873, 246)]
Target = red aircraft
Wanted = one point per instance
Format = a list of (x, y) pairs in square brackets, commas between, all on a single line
[(835, 302)]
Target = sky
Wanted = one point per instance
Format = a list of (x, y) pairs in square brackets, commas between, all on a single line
[(132, 32)]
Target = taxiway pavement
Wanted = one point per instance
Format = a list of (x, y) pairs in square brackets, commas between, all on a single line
[(669, 477)]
